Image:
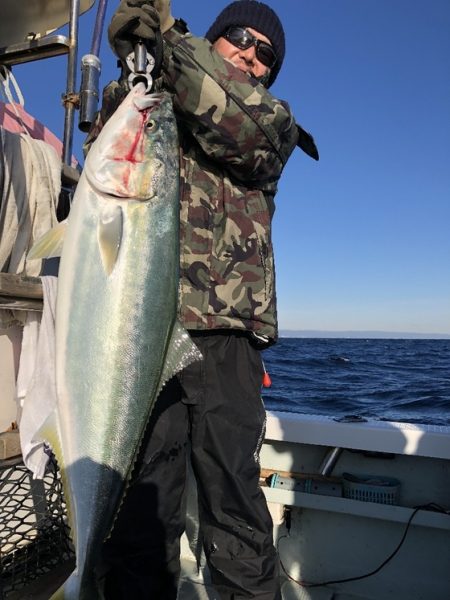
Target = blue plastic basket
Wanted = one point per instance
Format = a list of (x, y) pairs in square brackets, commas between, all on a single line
[(371, 488)]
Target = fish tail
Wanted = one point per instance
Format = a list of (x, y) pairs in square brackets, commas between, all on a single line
[(78, 588)]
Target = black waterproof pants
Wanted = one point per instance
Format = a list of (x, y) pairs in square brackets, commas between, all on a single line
[(216, 405)]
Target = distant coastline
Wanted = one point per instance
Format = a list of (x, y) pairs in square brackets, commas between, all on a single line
[(389, 335)]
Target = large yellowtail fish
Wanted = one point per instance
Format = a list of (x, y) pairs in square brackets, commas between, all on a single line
[(117, 337)]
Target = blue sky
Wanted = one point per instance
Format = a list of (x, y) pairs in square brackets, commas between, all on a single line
[(361, 237)]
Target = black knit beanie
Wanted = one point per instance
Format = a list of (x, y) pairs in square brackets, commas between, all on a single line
[(258, 16)]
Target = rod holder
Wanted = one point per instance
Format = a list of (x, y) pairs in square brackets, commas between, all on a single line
[(89, 93)]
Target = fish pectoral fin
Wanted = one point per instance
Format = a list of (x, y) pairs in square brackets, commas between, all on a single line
[(109, 235), (181, 352), (50, 244)]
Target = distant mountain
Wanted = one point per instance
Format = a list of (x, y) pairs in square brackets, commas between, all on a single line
[(393, 335)]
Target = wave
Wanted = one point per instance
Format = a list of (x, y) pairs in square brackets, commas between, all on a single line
[(403, 380)]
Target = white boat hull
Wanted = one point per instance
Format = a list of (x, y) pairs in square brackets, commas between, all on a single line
[(332, 538)]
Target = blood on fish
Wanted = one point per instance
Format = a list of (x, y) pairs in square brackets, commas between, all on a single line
[(128, 150), (138, 138)]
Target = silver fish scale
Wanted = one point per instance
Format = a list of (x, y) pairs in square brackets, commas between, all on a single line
[(118, 340)]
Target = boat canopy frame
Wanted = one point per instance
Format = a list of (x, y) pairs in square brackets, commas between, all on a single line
[(40, 43)]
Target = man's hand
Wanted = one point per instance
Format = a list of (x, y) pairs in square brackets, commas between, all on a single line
[(133, 20), (165, 16)]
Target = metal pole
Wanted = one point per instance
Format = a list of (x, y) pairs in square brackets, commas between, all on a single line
[(330, 460), (69, 100)]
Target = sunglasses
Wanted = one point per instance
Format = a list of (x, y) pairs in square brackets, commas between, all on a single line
[(243, 39)]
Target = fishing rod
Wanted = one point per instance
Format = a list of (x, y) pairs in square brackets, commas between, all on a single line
[(143, 65)]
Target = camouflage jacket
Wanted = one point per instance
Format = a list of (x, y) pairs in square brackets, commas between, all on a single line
[(235, 139)]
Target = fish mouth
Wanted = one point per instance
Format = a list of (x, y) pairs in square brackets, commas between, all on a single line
[(144, 101), (136, 183), (106, 192)]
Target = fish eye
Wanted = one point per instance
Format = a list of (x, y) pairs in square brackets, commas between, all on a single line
[(151, 125)]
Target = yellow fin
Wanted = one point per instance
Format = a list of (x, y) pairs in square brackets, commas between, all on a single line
[(50, 244), (48, 433), (109, 235)]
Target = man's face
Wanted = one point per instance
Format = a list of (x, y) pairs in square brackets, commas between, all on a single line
[(245, 60)]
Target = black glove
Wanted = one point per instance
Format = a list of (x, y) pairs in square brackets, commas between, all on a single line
[(133, 20)]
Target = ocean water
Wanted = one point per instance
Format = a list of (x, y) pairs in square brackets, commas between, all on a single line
[(395, 380)]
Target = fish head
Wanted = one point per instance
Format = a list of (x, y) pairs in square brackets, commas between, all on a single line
[(135, 147)]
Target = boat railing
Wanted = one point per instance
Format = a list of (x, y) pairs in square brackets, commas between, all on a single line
[(26, 35)]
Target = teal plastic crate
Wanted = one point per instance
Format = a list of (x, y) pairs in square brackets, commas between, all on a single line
[(371, 488)]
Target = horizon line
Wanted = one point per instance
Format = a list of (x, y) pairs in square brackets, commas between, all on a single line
[(361, 333)]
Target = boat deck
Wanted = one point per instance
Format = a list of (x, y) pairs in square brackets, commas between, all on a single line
[(334, 537), (192, 587)]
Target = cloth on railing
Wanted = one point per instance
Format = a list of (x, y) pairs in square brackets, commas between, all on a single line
[(30, 183), (36, 385), (14, 118)]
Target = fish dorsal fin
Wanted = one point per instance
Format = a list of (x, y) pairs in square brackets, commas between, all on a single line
[(50, 244), (109, 235), (181, 352)]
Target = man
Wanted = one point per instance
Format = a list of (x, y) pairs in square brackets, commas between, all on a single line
[(235, 139)]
